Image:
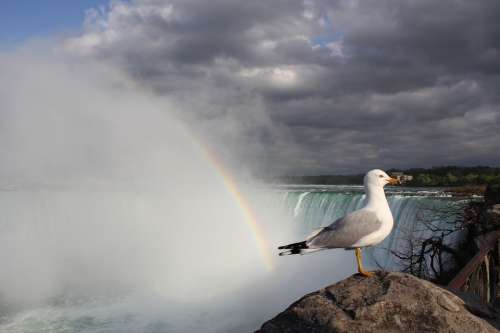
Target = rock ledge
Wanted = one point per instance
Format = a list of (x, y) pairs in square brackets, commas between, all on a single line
[(385, 302)]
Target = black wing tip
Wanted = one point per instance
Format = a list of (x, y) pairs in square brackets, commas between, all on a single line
[(299, 245)]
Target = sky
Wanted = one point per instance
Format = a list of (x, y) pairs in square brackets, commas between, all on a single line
[(25, 19), (300, 87)]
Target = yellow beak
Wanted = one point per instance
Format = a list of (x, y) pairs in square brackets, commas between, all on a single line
[(393, 181)]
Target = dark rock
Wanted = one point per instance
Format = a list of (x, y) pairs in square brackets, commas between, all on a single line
[(489, 219), (385, 302), (492, 195), (474, 304), (492, 216)]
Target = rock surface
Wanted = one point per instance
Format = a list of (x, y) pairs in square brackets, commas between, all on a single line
[(492, 195), (385, 302), (492, 217)]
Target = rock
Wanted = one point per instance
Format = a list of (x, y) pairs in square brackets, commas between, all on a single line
[(447, 303), (385, 302), (492, 216), (489, 219), (474, 304), (492, 194)]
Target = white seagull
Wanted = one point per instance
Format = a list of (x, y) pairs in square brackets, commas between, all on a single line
[(364, 227)]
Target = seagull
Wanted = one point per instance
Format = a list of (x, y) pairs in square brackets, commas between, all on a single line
[(364, 227)]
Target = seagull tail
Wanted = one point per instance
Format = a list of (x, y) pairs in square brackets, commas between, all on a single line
[(296, 248), (299, 245), (302, 247), (300, 251)]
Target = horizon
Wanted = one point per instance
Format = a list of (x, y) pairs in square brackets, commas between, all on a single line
[(388, 170)]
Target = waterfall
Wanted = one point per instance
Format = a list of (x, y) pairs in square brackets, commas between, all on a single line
[(312, 209), (296, 210)]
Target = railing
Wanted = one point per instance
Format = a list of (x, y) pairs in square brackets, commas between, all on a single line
[(485, 243)]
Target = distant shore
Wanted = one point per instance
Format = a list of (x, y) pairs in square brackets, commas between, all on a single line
[(459, 179)]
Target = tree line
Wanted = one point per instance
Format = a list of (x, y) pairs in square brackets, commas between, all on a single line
[(454, 176), (436, 176)]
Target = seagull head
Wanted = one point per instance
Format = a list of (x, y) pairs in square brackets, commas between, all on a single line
[(378, 177)]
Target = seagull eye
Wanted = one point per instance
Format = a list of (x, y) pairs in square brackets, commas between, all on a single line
[(381, 176)]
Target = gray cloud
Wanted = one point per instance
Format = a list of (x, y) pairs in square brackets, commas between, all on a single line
[(317, 86)]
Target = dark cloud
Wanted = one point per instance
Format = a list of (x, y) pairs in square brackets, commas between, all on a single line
[(318, 86)]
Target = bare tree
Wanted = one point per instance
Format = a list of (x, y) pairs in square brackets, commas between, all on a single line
[(434, 245)]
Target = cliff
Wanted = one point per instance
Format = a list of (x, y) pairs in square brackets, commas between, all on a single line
[(385, 302)]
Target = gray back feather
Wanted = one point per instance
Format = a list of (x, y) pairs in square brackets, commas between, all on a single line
[(347, 230)]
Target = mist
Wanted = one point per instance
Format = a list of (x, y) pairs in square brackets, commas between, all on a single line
[(106, 193)]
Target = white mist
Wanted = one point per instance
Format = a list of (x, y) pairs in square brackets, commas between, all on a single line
[(109, 211)]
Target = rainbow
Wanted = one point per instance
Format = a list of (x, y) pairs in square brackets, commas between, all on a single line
[(246, 210)]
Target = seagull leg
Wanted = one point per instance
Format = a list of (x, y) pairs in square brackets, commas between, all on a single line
[(361, 270)]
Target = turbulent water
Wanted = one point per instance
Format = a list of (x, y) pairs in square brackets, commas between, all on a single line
[(76, 296)]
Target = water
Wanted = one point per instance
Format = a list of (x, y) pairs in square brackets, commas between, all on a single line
[(314, 206), (86, 260)]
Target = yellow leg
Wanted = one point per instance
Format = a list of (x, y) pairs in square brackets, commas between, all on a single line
[(361, 270)]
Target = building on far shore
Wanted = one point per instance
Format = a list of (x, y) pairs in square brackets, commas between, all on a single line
[(402, 177)]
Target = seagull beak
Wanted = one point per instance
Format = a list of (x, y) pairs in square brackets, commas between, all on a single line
[(393, 181)]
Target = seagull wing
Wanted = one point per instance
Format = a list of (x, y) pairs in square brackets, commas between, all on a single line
[(346, 231)]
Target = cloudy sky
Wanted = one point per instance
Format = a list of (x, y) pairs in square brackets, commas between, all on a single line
[(302, 87)]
